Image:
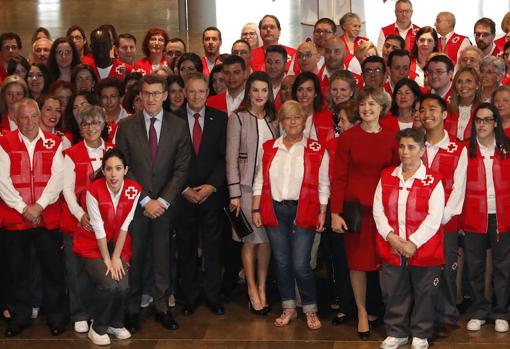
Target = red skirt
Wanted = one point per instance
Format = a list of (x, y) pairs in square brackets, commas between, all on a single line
[(360, 247)]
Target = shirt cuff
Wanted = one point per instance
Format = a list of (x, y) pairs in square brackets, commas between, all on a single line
[(164, 202), (20, 207), (415, 241), (100, 234), (386, 231), (144, 201), (42, 202)]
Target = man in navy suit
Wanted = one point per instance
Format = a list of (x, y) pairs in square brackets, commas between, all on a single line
[(202, 200)]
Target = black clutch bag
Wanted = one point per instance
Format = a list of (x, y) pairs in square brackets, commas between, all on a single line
[(352, 216), (240, 224)]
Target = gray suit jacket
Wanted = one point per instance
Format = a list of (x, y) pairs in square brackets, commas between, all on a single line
[(242, 144), (167, 177)]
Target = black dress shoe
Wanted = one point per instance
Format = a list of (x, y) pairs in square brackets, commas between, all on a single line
[(339, 319), (132, 322), (443, 330), (364, 335), (167, 320), (217, 309), (56, 330)]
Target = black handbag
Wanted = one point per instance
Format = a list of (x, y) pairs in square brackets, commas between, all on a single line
[(240, 223), (352, 216)]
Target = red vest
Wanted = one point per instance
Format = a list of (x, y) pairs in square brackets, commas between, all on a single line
[(309, 205), (85, 242), (452, 46), (417, 207), (119, 69), (258, 58), (112, 130), (474, 214), (357, 41), (205, 68), (144, 65), (451, 125), (500, 43), (218, 101), (410, 37), (445, 162), (30, 181), (84, 176), (324, 128)]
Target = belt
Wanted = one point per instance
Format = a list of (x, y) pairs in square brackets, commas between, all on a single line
[(289, 202)]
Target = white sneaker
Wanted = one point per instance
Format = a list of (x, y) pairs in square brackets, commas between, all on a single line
[(475, 324), (81, 327), (98, 339), (119, 333), (146, 301), (501, 326), (35, 312), (393, 342), (419, 343)]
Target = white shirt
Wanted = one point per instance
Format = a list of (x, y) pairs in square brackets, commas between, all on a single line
[(487, 154), (381, 39), (12, 125), (286, 173), (456, 199), (445, 91), (310, 131), (233, 102), (420, 75), (430, 224), (464, 116), (104, 72), (51, 192), (404, 125), (96, 221), (96, 156)]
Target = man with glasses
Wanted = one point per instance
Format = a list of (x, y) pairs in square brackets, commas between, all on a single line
[(202, 200), (157, 148), (373, 72), (485, 32), (447, 156), (439, 72), (10, 47), (449, 42), (471, 56), (127, 48), (41, 51), (308, 58), (402, 26)]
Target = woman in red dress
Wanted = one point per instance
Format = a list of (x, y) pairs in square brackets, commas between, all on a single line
[(361, 154)]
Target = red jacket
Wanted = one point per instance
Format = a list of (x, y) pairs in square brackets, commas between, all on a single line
[(218, 101), (452, 46), (119, 69), (258, 58), (30, 181), (84, 242), (410, 37), (84, 176), (308, 207), (144, 65), (445, 162), (417, 207), (474, 214)]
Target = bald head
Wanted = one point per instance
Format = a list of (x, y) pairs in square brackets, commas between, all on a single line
[(308, 57), (41, 50), (445, 23), (334, 54)]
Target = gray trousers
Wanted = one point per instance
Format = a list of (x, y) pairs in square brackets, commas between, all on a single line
[(476, 246), (110, 295), (446, 302), (408, 294)]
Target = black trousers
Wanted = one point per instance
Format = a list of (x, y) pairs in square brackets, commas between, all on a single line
[(49, 250), (446, 302), (205, 221), (110, 295), (476, 246), (409, 294), (151, 234)]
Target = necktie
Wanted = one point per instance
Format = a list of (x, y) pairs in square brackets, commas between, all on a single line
[(153, 140), (443, 44), (197, 133)]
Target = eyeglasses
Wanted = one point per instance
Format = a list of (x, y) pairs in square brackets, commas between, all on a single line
[(10, 47), (249, 34), (373, 71), (35, 75), (307, 55), (322, 32), (41, 49), (94, 123), (154, 94), (436, 72), (400, 12), (482, 35), (486, 121), (174, 53), (64, 52)]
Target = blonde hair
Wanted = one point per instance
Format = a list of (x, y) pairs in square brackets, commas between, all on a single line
[(291, 107), (25, 102)]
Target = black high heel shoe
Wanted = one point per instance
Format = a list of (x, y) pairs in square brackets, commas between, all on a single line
[(255, 311), (338, 320), (364, 335)]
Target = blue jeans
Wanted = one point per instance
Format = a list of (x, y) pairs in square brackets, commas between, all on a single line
[(291, 246)]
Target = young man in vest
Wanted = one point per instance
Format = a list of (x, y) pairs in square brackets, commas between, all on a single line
[(445, 155), (211, 40), (449, 42), (398, 69), (30, 184), (402, 26), (408, 208)]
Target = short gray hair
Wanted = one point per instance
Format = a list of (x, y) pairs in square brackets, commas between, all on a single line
[(88, 112), (497, 63)]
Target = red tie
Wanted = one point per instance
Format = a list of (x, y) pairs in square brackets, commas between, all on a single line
[(153, 140), (197, 133)]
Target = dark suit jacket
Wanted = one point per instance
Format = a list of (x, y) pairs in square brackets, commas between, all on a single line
[(166, 179), (208, 167)]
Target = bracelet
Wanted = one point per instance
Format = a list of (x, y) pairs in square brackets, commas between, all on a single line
[(255, 210)]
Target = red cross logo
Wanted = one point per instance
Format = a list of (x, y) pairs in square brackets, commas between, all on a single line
[(131, 192), (108, 147), (120, 69), (109, 128), (141, 70), (455, 39), (289, 58), (427, 180), (415, 30), (360, 41), (452, 147), (315, 146), (49, 143)]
